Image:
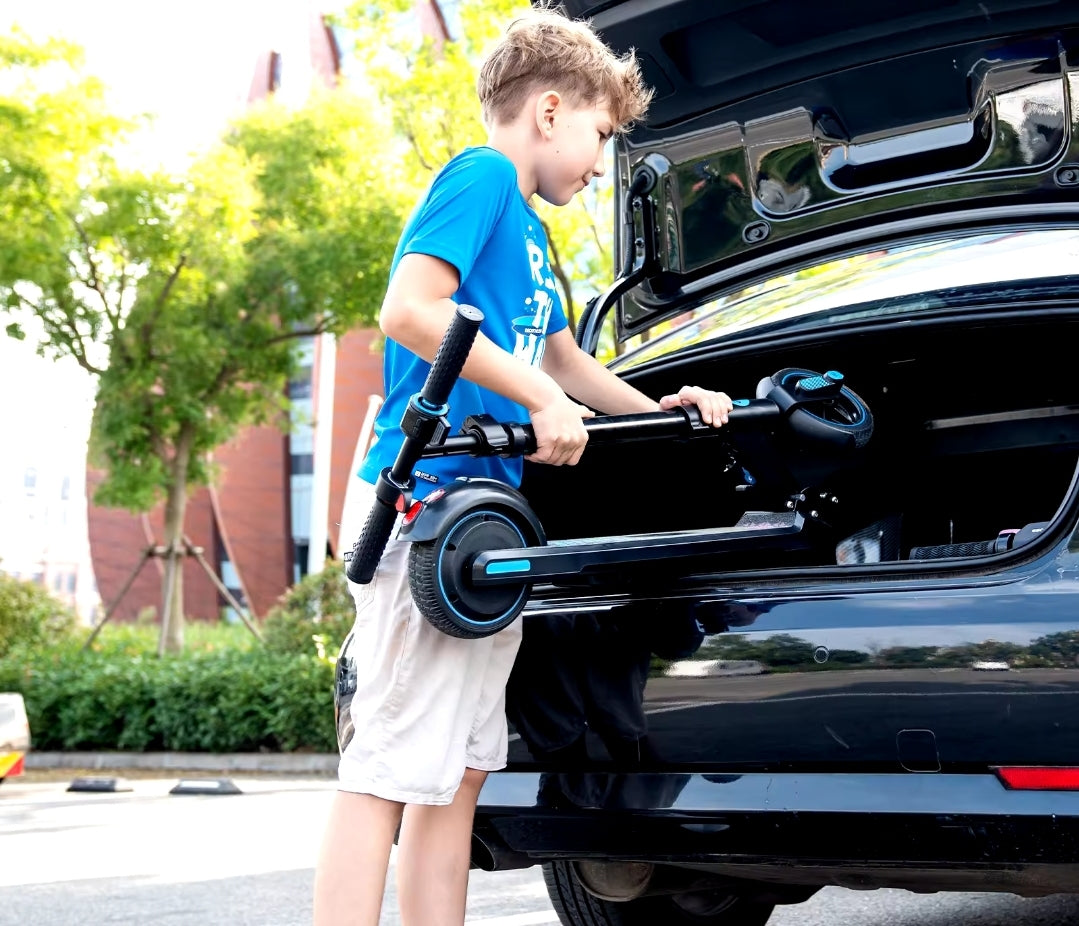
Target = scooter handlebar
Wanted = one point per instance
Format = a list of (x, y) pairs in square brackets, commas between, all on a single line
[(451, 355), (483, 436), (368, 549)]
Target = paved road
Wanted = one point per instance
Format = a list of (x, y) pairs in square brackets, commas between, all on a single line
[(148, 857)]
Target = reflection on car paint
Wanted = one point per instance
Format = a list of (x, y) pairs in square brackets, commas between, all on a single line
[(988, 676)]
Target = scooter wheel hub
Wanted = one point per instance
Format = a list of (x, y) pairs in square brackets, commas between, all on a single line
[(472, 537), (440, 576)]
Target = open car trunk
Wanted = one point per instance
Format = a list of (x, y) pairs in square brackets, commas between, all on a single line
[(842, 653), (976, 432)]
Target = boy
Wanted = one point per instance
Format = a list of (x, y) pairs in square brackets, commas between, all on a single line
[(428, 709)]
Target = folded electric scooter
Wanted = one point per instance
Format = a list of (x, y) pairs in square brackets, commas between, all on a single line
[(477, 545)]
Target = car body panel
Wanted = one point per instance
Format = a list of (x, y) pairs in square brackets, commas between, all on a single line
[(866, 677), (865, 831), (861, 766)]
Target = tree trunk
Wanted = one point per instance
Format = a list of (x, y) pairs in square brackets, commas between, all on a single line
[(172, 590)]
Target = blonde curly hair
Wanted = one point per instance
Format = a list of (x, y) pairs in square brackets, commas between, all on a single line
[(543, 49)]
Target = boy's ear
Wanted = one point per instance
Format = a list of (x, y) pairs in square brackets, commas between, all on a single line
[(547, 105)]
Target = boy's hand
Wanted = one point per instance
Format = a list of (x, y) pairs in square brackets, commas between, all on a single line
[(714, 406), (560, 434)]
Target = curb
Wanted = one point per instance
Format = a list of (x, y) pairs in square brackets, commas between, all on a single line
[(320, 764)]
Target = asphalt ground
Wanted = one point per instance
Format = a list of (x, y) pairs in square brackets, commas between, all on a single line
[(146, 856)]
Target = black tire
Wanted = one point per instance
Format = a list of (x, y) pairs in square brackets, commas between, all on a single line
[(576, 907), (437, 571)]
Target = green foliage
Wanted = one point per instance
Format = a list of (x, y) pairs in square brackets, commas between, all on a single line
[(313, 617), (185, 296), (429, 88), (30, 617), (220, 700), (121, 640), (331, 208), (54, 125)]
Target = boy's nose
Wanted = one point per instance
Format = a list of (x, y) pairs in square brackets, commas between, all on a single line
[(599, 168)]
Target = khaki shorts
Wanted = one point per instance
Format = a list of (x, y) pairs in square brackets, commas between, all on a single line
[(426, 705)]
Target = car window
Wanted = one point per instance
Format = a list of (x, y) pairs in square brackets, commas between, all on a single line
[(888, 281)]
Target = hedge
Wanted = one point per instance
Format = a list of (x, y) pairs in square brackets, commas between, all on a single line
[(30, 616), (225, 700)]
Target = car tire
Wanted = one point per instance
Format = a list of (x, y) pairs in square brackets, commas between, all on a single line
[(577, 907)]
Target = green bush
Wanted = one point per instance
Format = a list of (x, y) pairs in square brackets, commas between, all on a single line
[(314, 616), (30, 617), (221, 700)]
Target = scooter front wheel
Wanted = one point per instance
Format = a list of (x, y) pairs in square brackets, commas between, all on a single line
[(440, 569)]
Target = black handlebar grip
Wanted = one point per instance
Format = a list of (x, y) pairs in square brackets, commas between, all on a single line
[(452, 353), (372, 543)]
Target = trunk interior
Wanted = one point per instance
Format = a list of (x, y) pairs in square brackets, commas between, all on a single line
[(976, 431)]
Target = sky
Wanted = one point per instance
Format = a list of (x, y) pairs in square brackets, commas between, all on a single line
[(190, 64)]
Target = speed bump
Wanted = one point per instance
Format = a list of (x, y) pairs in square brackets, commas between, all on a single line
[(99, 783), (205, 786)]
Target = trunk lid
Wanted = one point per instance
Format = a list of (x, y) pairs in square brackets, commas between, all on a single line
[(784, 133)]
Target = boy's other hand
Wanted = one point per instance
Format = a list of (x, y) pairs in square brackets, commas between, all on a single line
[(714, 406), (560, 432)]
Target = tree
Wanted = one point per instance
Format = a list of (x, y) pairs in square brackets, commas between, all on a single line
[(185, 296), (429, 87)]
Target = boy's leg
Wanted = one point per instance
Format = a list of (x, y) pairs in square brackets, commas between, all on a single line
[(433, 857), (351, 875)]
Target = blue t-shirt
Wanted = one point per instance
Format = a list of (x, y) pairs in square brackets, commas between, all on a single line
[(475, 218)]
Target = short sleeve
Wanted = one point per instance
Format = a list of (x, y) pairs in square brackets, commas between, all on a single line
[(462, 208), (558, 319)]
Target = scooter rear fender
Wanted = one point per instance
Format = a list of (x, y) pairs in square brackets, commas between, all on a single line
[(439, 511)]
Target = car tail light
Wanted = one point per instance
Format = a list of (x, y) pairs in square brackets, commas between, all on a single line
[(1040, 778)]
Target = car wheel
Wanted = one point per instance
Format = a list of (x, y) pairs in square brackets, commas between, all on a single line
[(577, 907)]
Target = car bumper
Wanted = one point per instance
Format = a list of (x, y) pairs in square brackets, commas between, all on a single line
[(933, 831)]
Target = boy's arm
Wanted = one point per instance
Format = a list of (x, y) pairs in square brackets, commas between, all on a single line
[(588, 380), (416, 313)]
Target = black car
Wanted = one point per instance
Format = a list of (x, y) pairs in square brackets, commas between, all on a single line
[(889, 697)]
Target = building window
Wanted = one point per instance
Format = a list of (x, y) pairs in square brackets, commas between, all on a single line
[(65, 488), (29, 480), (299, 569), (300, 388), (275, 71), (303, 464)]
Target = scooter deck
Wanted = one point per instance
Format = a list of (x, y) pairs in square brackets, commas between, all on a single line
[(756, 530)]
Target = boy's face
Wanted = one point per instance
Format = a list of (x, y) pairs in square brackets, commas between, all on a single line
[(572, 152)]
